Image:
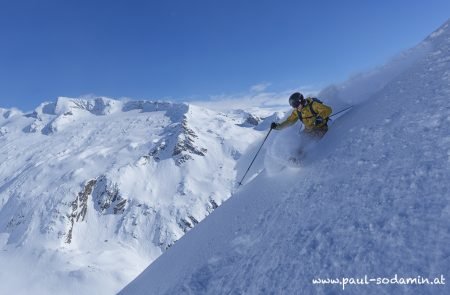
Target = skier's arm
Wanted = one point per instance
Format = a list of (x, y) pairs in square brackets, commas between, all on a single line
[(322, 110), (288, 122)]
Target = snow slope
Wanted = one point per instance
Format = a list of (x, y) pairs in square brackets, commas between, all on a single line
[(93, 190), (372, 199)]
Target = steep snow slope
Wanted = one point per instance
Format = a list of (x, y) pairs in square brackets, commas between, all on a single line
[(93, 190), (372, 199)]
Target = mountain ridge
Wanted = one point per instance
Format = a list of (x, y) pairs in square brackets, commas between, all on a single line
[(83, 177)]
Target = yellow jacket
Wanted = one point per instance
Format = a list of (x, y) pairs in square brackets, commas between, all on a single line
[(306, 116)]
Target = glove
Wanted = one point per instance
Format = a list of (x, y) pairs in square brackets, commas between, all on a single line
[(273, 125), (318, 121)]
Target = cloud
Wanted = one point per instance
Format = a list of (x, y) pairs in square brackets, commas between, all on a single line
[(256, 98), (259, 87)]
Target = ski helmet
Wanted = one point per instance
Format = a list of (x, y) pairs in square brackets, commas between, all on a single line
[(296, 99)]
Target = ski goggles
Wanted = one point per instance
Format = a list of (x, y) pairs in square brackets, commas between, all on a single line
[(295, 103)]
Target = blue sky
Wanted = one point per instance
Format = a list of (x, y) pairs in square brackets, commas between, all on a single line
[(195, 49)]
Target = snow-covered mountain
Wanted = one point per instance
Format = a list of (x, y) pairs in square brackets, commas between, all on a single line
[(370, 202), (93, 190)]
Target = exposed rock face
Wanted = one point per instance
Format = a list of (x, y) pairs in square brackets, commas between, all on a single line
[(187, 223), (79, 207), (156, 152), (181, 141), (252, 120), (186, 146), (106, 197)]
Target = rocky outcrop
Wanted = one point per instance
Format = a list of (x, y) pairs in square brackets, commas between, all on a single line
[(79, 207), (179, 144), (185, 146), (187, 223), (156, 152), (106, 197), (252, 120)]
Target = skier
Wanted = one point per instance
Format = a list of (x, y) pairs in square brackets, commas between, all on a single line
[(311, 112)]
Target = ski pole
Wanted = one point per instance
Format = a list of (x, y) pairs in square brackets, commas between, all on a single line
[(341, 111), (240, 182)]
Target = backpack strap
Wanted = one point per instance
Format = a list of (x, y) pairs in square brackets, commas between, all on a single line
[(299, 115), (313, 112), (309, 104)]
